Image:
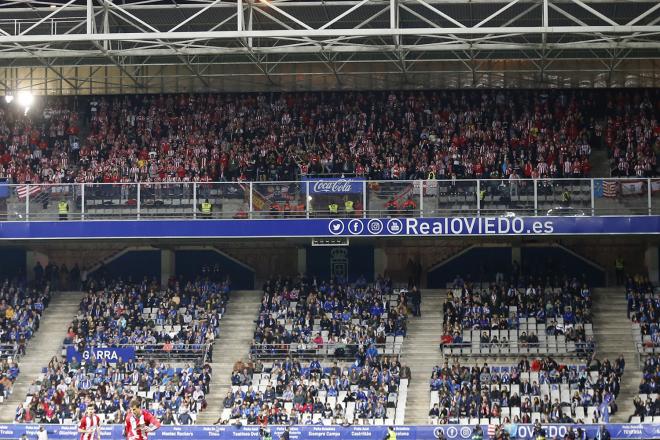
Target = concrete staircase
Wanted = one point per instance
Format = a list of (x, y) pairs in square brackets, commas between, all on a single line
[(236, 333), (45, 344), (421, 352), (612, 330), (600, 163)]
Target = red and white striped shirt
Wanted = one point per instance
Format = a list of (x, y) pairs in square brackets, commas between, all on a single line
[(91, 424), (132, 424)]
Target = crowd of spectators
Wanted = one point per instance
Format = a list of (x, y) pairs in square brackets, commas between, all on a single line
[(292, 391), (540, 390), (632, 133), (21, 308), (303, 314), (176, 319), (643, 305), (40, 146), (66, 389), (644, 310), (174, 316), (647, 404), (563, 306), (22, 305), (378, 135)]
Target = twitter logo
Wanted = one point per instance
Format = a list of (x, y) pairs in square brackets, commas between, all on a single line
[(336, 227)]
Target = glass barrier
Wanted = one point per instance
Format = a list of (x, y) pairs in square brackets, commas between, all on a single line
[(454, 198), (228, 200), (628, 197), (655, 197), (54, 202), (506, 197), (111, 201), (284, 200), (393, 198), (13, 205), (564, 197), (322, 199), (166, 200)]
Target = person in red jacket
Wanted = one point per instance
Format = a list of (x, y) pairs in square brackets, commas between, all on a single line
[(139, 422), (409, 206), (392, 207)]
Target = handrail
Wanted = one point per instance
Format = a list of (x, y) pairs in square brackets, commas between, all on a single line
[(517, 348), (9, 351), (314, 350), (304, 199), (199, 352)]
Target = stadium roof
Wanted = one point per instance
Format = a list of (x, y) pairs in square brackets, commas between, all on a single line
[(105, 46)]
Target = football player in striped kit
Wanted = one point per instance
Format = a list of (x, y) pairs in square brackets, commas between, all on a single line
[(139, 422), (90, 425)]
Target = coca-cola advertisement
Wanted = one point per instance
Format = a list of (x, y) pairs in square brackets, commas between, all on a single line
[(335, 186)]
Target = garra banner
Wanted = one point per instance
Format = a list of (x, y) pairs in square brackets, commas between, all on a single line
[(109, 354)]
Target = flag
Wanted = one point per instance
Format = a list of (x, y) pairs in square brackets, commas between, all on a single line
[(23, 190), (431, 187), (610, 188), (598, 188), (632, 188), (605, 409), (492, 428), (512, 429), (655, 185)]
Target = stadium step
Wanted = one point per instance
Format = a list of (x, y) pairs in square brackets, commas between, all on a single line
[(600, 162), (421, 352), (613, 334), (233, 344), (46, 343)]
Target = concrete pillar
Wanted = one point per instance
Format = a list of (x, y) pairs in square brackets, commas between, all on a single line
[(167, 265), (380, 261), (652, 263), (31, 259), (516, 255), (302, 260)]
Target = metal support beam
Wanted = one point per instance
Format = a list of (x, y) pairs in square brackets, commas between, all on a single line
[(160, 37), (595, 12), (90, 17), (644, 15), (312, 39)]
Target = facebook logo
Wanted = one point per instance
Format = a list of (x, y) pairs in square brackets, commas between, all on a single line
[(355, 227)]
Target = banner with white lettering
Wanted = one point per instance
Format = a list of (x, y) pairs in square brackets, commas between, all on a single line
[(312, 432), (347, 227), (335, 186), (109, 354)]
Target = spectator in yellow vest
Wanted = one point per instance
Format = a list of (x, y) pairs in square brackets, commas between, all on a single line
[(63, 210), (207, 208), (348, 208)]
